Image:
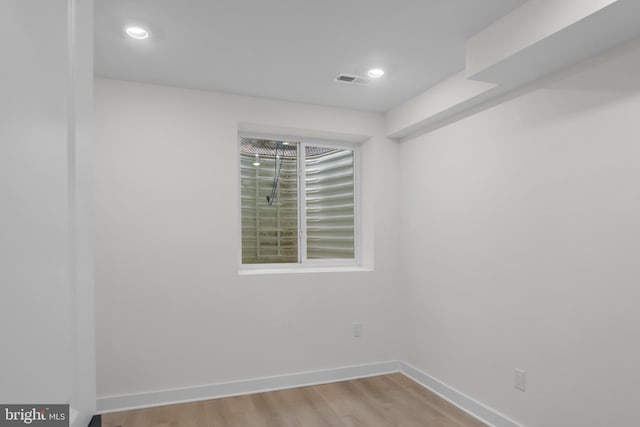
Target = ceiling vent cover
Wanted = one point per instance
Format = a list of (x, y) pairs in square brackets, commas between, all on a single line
[(351, 79)]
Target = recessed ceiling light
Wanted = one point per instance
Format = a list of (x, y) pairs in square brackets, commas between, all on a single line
[(375, 73), (137, 33)]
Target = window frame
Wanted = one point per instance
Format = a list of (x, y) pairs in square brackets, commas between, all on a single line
[(303, 262)]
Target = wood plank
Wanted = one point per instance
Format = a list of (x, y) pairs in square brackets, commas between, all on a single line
[(382, 401)]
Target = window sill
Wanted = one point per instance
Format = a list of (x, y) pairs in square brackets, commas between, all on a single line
[(310, 269)]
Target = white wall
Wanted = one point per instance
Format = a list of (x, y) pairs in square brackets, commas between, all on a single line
[(34, 309), (518, 248), (83, 188), (172, 310), (46, 275), (521, 241)]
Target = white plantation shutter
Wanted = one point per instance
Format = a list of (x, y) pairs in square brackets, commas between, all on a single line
[(330, 208)]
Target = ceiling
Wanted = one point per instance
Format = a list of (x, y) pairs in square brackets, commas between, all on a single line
[(292, 49)]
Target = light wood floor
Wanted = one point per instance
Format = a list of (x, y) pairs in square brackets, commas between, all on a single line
[(384, 401)]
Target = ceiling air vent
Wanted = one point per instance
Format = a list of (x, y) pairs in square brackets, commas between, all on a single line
[(351, 79)]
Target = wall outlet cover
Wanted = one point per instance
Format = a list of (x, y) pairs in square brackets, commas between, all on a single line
[(357, 329), (520, 380)]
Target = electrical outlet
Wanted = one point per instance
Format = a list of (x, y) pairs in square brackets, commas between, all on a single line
[(357, 330), (520, 380)]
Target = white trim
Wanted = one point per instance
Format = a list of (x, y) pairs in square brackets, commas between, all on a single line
[(316, 142), (466, 403), (307, 134), (357, 205), (72, 204), (306, 269), (74, 418), (238, 178), (108, 404), (302, 204), (80, 214)]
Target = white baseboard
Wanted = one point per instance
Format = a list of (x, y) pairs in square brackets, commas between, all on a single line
[(74, 419), (257, 385), (468, 404)]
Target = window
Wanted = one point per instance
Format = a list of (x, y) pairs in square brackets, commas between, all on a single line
[(298, 202)]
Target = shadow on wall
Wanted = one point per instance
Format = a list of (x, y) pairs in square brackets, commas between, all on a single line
[(603, 80)]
